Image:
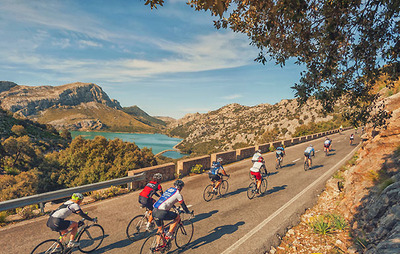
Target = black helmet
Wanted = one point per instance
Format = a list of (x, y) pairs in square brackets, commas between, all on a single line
[(179, 183)]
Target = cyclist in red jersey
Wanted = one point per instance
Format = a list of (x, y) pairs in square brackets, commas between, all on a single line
[(145, 196)]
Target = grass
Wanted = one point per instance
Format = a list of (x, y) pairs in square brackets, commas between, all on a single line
[(328, 224)]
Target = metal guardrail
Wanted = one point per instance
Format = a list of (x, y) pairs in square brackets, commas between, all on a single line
[(58, 194)]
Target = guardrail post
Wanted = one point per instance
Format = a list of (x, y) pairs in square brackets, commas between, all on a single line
[(41, 206)]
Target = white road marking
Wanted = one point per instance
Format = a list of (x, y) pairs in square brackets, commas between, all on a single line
[(296, 160), (318, 151), (277, 212)]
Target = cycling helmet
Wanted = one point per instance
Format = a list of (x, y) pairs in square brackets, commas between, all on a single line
[(77, 196), (326, 138), (179, 183), (219, 160), (310, 145), (258, 151), (157, 176)]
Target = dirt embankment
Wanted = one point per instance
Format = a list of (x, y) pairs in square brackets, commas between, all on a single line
[(359, 211)]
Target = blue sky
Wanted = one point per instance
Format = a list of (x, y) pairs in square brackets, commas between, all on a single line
[(170, 61)]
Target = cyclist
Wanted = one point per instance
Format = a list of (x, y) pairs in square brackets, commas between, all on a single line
[(57, 220), (215, 173), (145, 197), (351, 138), (327, 144), (256, 171), (340, 128), (162, 208), (256, 155), (280, 152), (307, 154)]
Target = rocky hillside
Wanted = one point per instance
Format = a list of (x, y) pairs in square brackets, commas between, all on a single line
[(234, 125), (368, 200), (76, 106), (143, 116)]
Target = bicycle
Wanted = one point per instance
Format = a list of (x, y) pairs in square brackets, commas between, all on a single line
[(89, 237), (136, 228), (326, 151), (157, 243), (252, 189), (306, 165), (209, 192), (278, 162)]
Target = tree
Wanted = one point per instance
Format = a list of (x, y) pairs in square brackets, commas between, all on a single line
[(345, 45), (19, 130)]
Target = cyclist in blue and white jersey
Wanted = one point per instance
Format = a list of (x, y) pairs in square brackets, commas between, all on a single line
[(307, 154), (215, 173), (280, 152), (327, 144), (162, 207)]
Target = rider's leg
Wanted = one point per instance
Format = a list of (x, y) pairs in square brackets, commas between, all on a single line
[(74, 228), (174, 224), (258, 184), (218, 183)]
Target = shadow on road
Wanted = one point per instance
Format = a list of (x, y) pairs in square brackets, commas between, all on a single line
[(330, 154), (120, 244), (213, 235), (315, 167), (288, 165), (274, 189), (238, 191), (202, 216)]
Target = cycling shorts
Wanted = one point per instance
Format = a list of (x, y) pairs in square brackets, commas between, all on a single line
[(279, 155), (327, 145), (214, 177), (147, 202), (58, 224), (308, 155), (256, 174), (351, 138), (161, 215)]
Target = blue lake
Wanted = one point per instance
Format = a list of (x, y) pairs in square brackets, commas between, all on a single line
[(157, 142)]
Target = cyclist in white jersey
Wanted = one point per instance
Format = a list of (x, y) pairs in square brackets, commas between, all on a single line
[(162, 207), (57, 218)]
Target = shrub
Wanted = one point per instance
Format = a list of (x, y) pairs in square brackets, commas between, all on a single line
[(26, 212), (337, 222), (108, 193), (321, 225), (197, 169), (3, 217)]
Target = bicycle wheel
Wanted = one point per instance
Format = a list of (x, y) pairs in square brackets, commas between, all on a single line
[(251, 191), (184, 233), (136, 228), (305, 166), (155, 244), (208, 193), (223, 187), (48, 246), (263, 186), (277, 164), (90, 238)]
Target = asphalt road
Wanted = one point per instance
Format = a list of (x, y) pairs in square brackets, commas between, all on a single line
[(231, 224)]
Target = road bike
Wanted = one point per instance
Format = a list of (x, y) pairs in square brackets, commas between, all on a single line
[(137, 227), (252, 189), (158, 243), (326, 151), (306, 165), (279, 162), (209, 191), (88, 236)]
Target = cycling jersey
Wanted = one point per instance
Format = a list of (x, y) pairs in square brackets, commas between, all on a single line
[(309, 150), (66, 210), (351, 137), (256, 167), (168, 199), (214, 170), (327, 142), (150, 189), (256, 156)]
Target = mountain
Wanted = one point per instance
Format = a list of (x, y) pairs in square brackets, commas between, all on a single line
[(143, 116), (76, 106), (234, 126)]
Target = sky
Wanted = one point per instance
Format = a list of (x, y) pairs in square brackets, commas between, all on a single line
[(168, 61)]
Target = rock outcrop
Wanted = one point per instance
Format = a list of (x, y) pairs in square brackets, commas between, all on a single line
[(28, 101)]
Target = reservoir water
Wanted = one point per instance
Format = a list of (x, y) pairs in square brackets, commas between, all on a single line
[(157, 142)]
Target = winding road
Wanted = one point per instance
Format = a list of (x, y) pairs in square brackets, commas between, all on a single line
[(231, 224)]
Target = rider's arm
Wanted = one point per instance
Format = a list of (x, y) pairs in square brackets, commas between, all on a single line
[(184, 206), (84, 215)]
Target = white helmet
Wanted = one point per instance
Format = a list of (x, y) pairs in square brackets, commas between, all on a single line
[(219, 160), (157, 176), (310, 145)]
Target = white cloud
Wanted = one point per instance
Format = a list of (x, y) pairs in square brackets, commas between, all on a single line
[(232, 97), (85, 44)]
